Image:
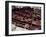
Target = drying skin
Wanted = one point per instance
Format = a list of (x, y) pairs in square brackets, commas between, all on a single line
[(26, 17)]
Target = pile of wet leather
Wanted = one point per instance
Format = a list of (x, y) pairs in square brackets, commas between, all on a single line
[(26, 17)]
